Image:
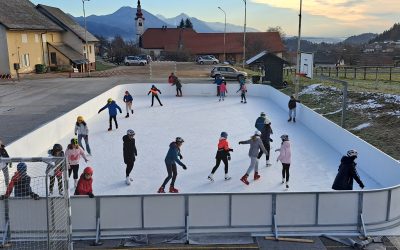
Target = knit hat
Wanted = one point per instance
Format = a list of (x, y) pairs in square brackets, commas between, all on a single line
[(88, 170), (352, 152), (262, 114), (109, 100), (79, 119), (224, 135), (285, 137), (21, 167)]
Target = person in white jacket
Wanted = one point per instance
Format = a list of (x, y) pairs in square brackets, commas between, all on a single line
[(285, 155), (82, 131)]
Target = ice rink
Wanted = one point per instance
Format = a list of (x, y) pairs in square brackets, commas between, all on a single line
[(200, 120)]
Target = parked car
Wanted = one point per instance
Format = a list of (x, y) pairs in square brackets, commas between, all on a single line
[(227, 72), (207, 60), (145, 57), (134, 60)]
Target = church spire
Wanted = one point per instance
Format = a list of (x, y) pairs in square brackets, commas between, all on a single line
[(139, 13)]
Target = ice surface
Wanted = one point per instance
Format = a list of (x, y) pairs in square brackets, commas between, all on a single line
[(200, 120)]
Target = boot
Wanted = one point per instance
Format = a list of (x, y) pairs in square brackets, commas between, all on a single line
[(211, 177), (51, 192), (287, 185), (283, 180), (128, 181), (132, 111), (244, 179), (256, 176), (227, 177), (268, 164), (294, 119), (109, 129), (75, 183), (127, 115), (161, 190), (290, 119), (173, 190)]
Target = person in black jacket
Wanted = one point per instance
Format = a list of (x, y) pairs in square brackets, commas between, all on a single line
[(130, 153), (153, 92), (266, 132), (4, 154), (347, 172), (292, 108)]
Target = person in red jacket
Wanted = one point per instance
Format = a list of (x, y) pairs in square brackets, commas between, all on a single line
[(223, 154), (85, 183)]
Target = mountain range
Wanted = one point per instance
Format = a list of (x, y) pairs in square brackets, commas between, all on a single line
[(122, 23)]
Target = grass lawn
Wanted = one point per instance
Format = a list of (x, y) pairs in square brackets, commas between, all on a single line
[(100, 66)]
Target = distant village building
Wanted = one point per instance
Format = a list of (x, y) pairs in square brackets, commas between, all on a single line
[(139, 23), (31, 35), (158, 41)]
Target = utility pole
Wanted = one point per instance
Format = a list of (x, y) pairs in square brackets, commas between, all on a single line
[(224, 34), (244, 32), (297, 83), (86, 43)]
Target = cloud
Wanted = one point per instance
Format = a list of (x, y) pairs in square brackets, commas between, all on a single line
[(347, 12)]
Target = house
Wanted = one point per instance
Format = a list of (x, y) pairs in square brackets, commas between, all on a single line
[(157, 41), (77, 46), (24, 34), (272, 66)]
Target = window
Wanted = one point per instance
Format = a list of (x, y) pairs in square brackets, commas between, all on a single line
[(24, 38), (36, 38), (53, 58), (90, 49), (25, 60), (140, 24)]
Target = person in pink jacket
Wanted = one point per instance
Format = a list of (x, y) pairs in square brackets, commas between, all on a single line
[(222, 90), (73, 155), (285, 155)]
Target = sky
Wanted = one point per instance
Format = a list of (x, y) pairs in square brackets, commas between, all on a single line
[(320, 18)]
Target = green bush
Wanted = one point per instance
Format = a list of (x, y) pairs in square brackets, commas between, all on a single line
[(40, 68)]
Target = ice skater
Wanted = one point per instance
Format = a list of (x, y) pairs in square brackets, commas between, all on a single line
[(223, 154), (82, 131), (174, 80), (112, 111), (243, 90), (4, 154), (73, 155), (266, 132), (128, 103), (285, 155), (153, 92), (173, 156), (255, 145), (56, 171), (260, 122), (22, 183), (347, 172), (85, 183), (130, 153), (222, 90), (292, 108), (218, 81)]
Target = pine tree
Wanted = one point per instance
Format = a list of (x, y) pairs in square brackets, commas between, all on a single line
[(188, 24), (181, 24)]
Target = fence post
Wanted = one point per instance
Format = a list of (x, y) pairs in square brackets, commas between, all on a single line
[(355, 73), (329, 72), (365, 73), (390, 74), (337, 71), (345, 72)]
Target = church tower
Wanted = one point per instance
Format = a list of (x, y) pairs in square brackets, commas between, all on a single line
[(139, 23)]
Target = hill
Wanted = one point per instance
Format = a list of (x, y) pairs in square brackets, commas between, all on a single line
[(360, 39), (393, 34)]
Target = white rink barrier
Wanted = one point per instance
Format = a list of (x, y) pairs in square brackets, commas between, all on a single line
[(294, 213)]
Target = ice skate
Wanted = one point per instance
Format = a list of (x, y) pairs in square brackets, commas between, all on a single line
[(241, 101), (161, 190), (128, 181), (173, 190), (268, 164), (210, 177), (256, 176), (283, 180), (245, 101), (227, 177), (75, 183), (244, 179), (127, 115), (60, 193), (51, 193), (130, 178), (287, 185), (294, 119), (290, 119), (109, 129), (132, 111)]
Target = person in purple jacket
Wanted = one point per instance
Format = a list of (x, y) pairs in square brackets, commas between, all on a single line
[(112, 111), (285, 156)]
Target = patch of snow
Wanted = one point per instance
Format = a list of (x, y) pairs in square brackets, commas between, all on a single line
[(334, 112), (394, 113), (361, 126), (311, 90), (390, 98), (368, 104)]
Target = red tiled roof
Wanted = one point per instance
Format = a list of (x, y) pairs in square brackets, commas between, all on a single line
[(209, 43)]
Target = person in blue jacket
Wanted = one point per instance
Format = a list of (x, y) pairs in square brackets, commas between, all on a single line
[(173, 156), (218, 80), (260, 122), (128, 103), (112, 111)]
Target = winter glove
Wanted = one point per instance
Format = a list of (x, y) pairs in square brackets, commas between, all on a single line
[(180, 157), (184, 167), (2, 197), (91, 195), (240, 142), (10, 165), (271, 140), (35, 196), (229, 157), (362, 185), (230, 150)]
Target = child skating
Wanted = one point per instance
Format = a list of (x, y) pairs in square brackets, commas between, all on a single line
[(260, 122), (243, 91), (82, 131), (173, 156), (128, 103), (73, 155), (56, 171), (84, 186), (130, 153), (154, 92), (222, 90), (292, 108), (222, 155), (266, 132), (255, 145), (112, 111), (285, 155)]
